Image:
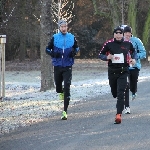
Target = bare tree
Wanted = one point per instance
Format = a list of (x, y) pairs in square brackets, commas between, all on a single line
[(62, 9), (46, 32)]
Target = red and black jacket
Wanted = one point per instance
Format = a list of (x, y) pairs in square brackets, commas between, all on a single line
[(117, 47)]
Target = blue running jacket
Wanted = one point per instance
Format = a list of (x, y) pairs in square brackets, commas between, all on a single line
[(141, 52), (63, 44)]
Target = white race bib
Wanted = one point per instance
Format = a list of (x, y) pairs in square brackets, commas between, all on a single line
[(118, 58)]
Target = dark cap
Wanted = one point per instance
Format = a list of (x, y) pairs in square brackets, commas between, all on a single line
[(127, 29), (118, 28)]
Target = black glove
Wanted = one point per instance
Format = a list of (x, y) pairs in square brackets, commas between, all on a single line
[(48, 51), (73, 53), (52, 54)]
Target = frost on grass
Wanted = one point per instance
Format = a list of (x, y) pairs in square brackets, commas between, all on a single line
[(24, 104)]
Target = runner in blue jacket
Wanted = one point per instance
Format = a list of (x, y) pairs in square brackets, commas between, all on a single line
[(62, 48), (134, 70)]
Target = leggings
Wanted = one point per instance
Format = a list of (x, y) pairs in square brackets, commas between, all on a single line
[(118, 83), (63, 74), (133, 79)]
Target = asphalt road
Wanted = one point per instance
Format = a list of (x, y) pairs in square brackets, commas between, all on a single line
[(90, 126)]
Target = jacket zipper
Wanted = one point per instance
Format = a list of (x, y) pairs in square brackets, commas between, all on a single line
[(63, 49)]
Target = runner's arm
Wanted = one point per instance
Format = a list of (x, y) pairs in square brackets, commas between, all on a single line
[(141, 52), (104, 53)]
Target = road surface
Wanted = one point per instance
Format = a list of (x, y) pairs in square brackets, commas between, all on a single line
[(90, 126)]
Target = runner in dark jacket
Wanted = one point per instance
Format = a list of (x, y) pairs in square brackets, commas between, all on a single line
[(119, 54), (62, 48)]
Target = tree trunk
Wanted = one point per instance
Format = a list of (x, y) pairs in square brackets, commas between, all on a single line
[(22, 48), (46, 23), (114, 13), (132, 16)]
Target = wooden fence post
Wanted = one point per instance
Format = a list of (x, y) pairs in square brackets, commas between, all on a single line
[(2, 65)]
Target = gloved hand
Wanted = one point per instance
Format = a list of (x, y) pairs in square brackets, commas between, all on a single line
[(48, 51), (52, 54), (73, 53), (132, 61)]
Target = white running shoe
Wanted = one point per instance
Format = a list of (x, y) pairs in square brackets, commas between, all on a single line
[(127, 110), (134, 96)]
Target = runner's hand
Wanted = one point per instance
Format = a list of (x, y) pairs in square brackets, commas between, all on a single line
[(110, 56), (132, 61)]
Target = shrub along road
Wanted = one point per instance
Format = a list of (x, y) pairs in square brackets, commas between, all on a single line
[(89, 127)]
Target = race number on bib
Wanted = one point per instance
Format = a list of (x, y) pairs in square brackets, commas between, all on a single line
[(118, 58)]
